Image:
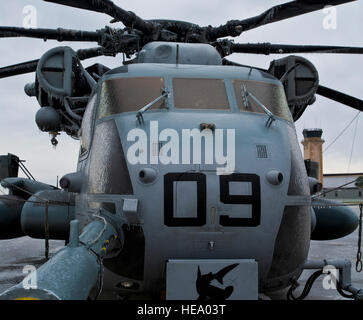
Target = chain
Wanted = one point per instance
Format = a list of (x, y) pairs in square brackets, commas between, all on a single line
[(359, 264)]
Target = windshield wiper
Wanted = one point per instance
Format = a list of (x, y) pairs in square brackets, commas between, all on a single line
[(246, 94), (140, 113)]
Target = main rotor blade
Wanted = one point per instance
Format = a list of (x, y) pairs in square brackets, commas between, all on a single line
[(20, 68), (280, 12), (128, 18), (340, 97), (268, 48), (31, 66), (52, 34), (84, 54)]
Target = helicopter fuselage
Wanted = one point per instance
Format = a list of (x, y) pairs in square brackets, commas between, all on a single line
[(190, 181), (201, 174)]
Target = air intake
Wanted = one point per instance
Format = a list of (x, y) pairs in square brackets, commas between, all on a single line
[(261, 152)]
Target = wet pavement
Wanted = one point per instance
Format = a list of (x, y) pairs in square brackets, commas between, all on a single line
[(341, 249), (17, 253)]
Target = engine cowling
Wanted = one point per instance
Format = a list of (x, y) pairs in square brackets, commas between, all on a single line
[(300, 79), (62, 87)]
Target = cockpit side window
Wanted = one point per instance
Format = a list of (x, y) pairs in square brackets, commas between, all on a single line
[(200, 94), (86, 128), (130, 95), (272, 96)]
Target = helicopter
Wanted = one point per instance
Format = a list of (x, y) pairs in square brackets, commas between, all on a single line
[(188, 162)]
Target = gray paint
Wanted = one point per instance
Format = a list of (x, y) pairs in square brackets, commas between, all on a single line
[(192, 242), (179, 53), (108, 162), (291, 247), (181, 278), (115, 181)]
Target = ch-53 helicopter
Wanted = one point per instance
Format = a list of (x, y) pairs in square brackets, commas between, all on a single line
[(190, 181)]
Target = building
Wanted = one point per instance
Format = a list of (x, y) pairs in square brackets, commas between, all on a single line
[(338, 186), (349, 193), (313, 151)]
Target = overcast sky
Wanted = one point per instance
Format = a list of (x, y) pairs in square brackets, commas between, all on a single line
[(19, 134)]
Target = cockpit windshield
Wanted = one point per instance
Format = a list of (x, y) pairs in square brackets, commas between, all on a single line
[(132, 94), (129, 95), (200, 94), (270, 95)]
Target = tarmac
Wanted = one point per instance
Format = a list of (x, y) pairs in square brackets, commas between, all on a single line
[(341, 249), (17, 253)]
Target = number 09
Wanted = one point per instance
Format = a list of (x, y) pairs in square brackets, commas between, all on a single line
[(225, 197)]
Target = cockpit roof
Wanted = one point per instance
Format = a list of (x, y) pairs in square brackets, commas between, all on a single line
[(190, 71)]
